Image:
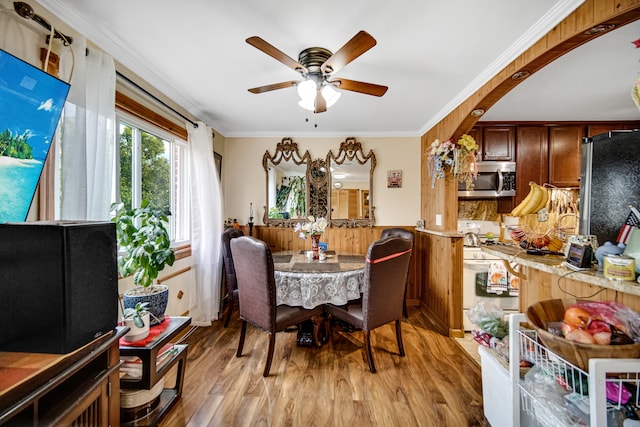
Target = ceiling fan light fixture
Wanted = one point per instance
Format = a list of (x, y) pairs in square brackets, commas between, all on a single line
[(307, 104), (307, 90), (316, 65), (330, 95)]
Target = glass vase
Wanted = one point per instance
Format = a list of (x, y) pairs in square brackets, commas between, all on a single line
[(315, 239)]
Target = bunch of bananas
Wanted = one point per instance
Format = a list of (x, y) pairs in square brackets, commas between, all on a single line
[(536, 199)]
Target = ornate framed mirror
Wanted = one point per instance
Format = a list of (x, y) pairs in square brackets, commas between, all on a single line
[(287, 187), (351, 185)]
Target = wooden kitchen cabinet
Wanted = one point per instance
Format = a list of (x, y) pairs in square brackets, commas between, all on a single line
[(598, 128), (532, 154), (564, 155), (497, 143)]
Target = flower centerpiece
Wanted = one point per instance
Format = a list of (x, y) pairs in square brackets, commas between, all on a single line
[(313, 228), (459, 158)]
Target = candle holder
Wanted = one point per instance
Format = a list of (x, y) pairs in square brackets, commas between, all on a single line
[(250, 219)]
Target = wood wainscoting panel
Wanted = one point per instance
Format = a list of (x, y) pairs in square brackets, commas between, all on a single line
[(441, 289)]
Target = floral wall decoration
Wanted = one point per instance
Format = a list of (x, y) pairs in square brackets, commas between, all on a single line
[(458, 158)]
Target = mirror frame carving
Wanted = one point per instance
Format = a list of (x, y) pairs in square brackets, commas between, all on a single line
[(350, 149), (286, 150), (319, 184)]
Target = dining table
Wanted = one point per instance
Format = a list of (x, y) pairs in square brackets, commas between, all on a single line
[(307, 282)]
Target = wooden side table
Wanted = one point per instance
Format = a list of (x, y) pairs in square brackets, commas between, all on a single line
[(151, 374)]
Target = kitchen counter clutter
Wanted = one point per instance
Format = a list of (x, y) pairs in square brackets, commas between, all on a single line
[(555, 265)]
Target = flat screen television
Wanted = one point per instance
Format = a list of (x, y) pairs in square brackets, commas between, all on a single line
[(31, 103)]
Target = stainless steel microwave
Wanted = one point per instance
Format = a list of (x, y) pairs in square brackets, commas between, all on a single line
[(495, 179)]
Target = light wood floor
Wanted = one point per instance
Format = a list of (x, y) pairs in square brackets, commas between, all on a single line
[(436, 384)]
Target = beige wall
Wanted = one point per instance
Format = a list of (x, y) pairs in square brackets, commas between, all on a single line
[(244, 180)]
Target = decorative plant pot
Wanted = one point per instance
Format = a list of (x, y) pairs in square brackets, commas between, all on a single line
[(156, 295), (137, 333)]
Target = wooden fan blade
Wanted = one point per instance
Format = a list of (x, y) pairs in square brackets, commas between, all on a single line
[(319, 105), (275, 53), (359, 44), (275, 86), (362, 87)]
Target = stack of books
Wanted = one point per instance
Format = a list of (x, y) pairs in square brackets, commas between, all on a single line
[(132, 365)]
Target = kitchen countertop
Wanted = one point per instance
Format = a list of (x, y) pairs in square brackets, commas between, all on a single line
[(440, 233), (554, 264)]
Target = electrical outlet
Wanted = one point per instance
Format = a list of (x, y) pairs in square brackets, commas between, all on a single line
[(438, 220)]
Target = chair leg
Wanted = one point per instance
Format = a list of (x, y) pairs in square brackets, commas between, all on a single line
[(405, 313), (399, 337), (230, 303), (243, 332), (272, 344), (367, 350), (328, 328)]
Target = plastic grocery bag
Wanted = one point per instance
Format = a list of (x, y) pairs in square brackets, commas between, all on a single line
[(489, 318)]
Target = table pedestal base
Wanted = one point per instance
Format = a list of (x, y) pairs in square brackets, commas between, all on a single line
[(312, 333)]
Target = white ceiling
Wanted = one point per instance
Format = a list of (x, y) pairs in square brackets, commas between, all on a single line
[(431, 54)]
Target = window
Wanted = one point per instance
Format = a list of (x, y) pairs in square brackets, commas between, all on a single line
[(153, 165)]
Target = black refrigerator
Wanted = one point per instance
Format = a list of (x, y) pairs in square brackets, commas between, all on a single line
[(609, 182)]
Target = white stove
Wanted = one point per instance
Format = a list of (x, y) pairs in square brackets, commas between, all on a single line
[(476, 265)]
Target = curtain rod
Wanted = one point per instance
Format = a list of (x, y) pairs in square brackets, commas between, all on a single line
[(155, 98), (27, 12)]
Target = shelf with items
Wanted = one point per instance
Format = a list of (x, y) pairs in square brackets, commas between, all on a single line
[(555, 392), (144, 369)]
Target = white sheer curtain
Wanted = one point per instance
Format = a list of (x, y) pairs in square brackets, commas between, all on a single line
[(206, 227), (17, 38), (88, 134)]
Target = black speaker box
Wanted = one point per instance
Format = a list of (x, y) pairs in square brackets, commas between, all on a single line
[(58, 285)]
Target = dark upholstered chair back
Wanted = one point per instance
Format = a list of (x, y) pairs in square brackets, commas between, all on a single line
[(256, 284), (385, 280), (229, 269), (405, 234), (397, 232), (257, 294)]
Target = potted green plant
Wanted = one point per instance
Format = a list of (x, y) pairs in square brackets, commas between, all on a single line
[(145, 243), (137, 319)]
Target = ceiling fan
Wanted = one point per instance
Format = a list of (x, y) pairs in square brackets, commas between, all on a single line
[(316, 66)]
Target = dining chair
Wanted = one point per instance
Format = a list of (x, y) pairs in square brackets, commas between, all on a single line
[(385, 277), (405, 234), (257, 294), (229, 270)]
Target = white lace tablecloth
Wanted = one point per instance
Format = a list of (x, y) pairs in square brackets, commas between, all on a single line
[(310, 290)]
